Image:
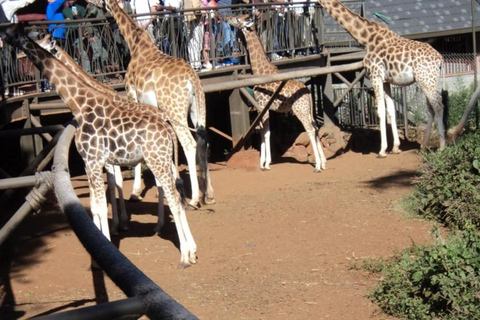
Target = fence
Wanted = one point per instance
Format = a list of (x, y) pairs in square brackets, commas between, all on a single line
[(287, 30)]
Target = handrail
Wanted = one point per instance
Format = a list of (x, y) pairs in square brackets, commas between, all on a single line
[(283, 35)]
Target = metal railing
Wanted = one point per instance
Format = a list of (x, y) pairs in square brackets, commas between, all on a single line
[(287, 30), (357, 109)]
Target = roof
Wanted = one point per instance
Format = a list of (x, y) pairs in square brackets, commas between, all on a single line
[(410, 17), (416, 18)]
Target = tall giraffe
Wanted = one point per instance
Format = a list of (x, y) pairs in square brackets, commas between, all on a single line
[(114, 131), (392, 59), (163, 81), (294, 96)]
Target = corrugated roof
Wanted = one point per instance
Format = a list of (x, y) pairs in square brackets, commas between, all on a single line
[(423, 16), (412, 17)]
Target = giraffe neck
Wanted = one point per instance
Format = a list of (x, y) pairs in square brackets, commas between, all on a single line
[(360, 29), (68, 61), (67, 84), (135, 37), (258, 58)]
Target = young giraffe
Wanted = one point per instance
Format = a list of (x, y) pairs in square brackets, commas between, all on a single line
[(294, 96), (160, 80), (120, 217), (392, 59), (114, 131)]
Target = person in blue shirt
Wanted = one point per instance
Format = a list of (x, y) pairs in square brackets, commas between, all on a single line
[(54, 13)]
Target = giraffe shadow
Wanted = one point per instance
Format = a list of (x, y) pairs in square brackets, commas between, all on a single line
[(367, 141), (400, 178), (137, 229)]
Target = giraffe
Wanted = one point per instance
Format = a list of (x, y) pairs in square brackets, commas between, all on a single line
[(294, 96), (392, 59), (160, 80), (119, 215), (114, 131)]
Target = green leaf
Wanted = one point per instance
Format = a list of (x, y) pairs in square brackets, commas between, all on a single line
[(417, 276)]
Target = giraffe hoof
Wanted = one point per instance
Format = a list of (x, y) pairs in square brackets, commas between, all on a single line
[(317, 170), (183, 265), (210, 200), (381, 156), (135, 198), (193, 207), (265, 169), (396, 151)]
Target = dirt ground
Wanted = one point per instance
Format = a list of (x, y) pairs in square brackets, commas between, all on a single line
[(276, 245)]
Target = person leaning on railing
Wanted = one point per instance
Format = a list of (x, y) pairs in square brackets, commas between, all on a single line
[(194, 27), (145, 22), (54, 13)]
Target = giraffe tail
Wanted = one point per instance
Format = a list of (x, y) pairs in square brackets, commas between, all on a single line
[(203, 147)]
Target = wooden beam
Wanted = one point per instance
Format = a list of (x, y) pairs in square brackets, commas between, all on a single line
[(350, 87), (259, 117), (220, 133), (256, 80)]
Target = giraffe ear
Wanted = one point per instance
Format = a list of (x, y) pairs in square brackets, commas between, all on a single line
[(249, 23)]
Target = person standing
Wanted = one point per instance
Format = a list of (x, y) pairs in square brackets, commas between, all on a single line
[(171, 27), (195, 30), (141, 7), (210, 23), (10, 8), (54, 13), (119, 40), (74, 34)]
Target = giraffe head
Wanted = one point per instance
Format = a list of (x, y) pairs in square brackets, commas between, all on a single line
[(242, 22), (45, 43)]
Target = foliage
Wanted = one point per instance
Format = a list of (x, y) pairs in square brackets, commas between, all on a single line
[(448, 188), (434, 282), (457, 102)]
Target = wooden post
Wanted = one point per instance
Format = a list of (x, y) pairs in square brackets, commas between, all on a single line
[(328, 98), (239, 117)]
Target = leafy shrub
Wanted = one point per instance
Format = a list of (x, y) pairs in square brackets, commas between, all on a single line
[(448, 188), (457, 103), (434, 282)]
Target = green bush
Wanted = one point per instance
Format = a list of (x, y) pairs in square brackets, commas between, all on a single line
[(448, 188), (434, 282), (457, 103)]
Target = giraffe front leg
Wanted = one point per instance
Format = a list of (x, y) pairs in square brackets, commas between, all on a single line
[(380, 102), (265, 151), (393, 118), (137, 184)]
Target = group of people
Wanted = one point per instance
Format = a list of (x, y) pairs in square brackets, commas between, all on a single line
[(85, 42), (191, 29)]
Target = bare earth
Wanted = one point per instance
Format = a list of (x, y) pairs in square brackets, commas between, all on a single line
[(277, 245)]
